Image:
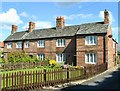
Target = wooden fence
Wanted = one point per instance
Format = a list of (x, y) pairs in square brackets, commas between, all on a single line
[(23, 65), (48, 77)]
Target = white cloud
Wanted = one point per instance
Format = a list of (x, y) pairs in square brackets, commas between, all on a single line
[(74, 16), (24, 14), (39, 25), (101, 15), (43, 24), (8, 18)]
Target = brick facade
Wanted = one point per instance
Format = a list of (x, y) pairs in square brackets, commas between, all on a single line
[(75, 49), (50, 50), (81, 49)]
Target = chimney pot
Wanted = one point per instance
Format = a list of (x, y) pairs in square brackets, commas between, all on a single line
[(31, 26), (60, 23), (14, 29), (106, 17)]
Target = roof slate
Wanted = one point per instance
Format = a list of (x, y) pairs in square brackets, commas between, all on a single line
[(92, 28), (87, 28)]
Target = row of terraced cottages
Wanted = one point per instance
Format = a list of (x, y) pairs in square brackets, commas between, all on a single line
[(81, 45)]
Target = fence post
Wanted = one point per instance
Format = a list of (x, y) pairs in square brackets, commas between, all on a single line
[(67, 74), (45, 75), (85, 73), (0, 82)]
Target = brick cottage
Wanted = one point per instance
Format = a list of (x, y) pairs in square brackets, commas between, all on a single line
[(82, 45)]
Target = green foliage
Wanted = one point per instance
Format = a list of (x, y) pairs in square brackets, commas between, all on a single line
[(1, 59), (20, 56)]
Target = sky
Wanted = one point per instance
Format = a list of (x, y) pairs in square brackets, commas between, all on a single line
[(44, 14)]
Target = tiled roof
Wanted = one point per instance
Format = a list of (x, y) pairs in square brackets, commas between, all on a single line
[(92, 28), (87, 28)]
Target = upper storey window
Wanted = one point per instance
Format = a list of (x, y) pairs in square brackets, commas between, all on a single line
[(91, 40), (41, 43), (60, 43), (9, 45), (27, 44), (19, 45)]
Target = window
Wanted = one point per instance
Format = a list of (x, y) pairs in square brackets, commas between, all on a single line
[(60, 42), (113, 44), (91, 40), (19, 45), (91, 58), (9, 45), (41, 43), (60, 58), (27, 44), (41, 56)]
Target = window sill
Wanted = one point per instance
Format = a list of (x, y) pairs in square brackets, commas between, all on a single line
[(41, 47), (60, 46), (90, 63), (91, 44)]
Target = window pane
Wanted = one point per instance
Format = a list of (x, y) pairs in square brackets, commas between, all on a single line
[(91, 39), (41, 43), (91, 58), (60, 42), (41, 56)]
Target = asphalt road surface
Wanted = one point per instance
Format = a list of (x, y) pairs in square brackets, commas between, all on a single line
[(105, 82)]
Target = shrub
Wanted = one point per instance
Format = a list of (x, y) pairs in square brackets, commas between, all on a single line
[(53, 63), (20, 56)]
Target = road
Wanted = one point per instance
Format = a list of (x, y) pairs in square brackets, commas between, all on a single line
[(109, 80)]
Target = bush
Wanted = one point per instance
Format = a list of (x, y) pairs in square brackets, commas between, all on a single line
[(20, 56)]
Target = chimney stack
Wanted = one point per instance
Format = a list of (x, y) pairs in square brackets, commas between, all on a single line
[(60, 22), (106, 17), (14, 29), (31, 26)]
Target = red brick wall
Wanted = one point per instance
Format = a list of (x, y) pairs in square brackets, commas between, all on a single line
[(49, 50), (110, 50), (81, 49)]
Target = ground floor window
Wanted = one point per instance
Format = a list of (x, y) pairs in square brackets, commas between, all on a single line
[(91, 58), (41, 56), (60, 57)]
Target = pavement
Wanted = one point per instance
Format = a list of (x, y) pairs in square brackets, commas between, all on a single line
[(108, 80)]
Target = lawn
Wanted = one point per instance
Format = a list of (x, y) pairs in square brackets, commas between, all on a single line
[(36, 75)]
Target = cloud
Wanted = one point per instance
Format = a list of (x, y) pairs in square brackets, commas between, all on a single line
[(24, 14), (74, 16), (101, 15), (39, 25), (8, 18)]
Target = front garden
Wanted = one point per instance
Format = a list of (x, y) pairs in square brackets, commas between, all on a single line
[(23, 72)]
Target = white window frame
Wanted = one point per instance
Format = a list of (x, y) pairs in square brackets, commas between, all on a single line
[(9, 45), (41, 43), (41, 56), (91, 40), (91, 58), (61, 57), (27, 44), (60, 42), (19, 45)]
